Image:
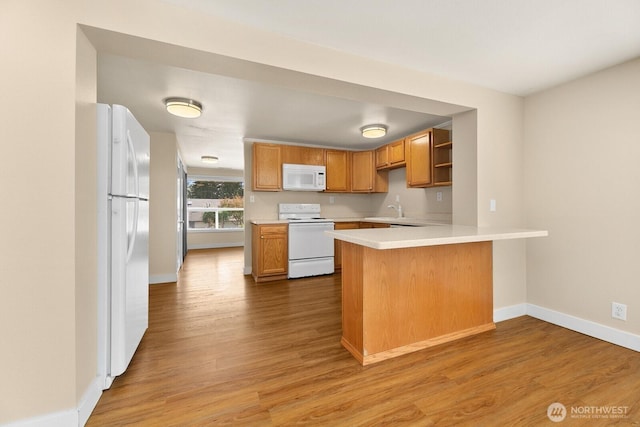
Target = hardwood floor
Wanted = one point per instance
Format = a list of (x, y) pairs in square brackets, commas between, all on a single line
[(221, 350)]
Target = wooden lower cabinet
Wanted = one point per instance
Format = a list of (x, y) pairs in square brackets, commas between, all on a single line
[(365, 224), (337, 244), (269, 251)]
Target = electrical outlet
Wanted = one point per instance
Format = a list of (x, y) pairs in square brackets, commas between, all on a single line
[(398, 198), (439, 196), (332, 199), (252, 199), (492, 205), (619, 311)]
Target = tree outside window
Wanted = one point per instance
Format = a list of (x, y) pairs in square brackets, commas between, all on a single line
[(215, 204)]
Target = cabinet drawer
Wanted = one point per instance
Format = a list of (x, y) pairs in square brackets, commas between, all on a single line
[(274, 229)]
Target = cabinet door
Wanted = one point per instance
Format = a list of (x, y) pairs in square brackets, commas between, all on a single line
[(382, 157), (396, 153), (337, 164), (418, 148), (267, 167), (302, 155), (273, 255), (362, 171)]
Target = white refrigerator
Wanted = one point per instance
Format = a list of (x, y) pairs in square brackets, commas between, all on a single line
[(123, 238)]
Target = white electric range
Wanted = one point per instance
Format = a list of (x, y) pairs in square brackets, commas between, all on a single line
[(310, 250)]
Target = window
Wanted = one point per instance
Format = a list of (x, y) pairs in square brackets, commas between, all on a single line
[(215, 203)]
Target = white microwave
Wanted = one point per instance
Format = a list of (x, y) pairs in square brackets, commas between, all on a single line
[(303, 177)]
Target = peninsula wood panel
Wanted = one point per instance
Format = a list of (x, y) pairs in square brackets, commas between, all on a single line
[(413, 298), (352, 309)]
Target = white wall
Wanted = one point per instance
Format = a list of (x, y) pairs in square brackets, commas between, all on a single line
[(582, 176), (41, 287), (85, 216), (38, 262), (163, 208)]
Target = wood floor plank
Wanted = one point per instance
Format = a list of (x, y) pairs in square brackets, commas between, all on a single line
[(222, 350)]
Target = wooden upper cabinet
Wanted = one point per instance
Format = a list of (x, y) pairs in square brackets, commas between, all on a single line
[(361, 176), (418, 148), (338, 167), (391, 156), (442, 157), (428, 158), (397, 154), (364, 176), (267, 167), (298, 155), (382, 157)]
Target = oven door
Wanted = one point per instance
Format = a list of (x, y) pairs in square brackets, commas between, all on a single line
[(307, 240), (310, 250)]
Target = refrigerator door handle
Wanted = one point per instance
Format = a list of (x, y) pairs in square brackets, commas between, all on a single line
[(134, 159), (132, 239)]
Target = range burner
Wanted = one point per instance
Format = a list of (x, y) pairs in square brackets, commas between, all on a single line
[(301, 212)]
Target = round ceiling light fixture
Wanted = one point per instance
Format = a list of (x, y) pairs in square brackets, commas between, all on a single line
[(209, 159), (373, 131), (183, 107)]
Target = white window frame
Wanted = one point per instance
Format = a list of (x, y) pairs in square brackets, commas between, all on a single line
[(217, 210)]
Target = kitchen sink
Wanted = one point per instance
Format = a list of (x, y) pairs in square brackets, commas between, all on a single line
[(402, 221), (386, 218)]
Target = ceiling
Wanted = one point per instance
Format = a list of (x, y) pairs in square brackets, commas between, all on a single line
[(514, 46)]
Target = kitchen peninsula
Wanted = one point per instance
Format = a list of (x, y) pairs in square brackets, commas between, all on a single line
[(409, 288)]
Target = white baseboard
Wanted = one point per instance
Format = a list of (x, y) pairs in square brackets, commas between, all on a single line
[(57, 419), (163, 278), (70, 418), (587, 327), (216, 245), (89, 401), (510, 312)]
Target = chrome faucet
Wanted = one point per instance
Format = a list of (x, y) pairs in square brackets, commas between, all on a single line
[(399, 209)]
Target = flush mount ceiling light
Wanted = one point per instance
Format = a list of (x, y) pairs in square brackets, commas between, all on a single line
[(209, 159), (183, 107), (373, 131)]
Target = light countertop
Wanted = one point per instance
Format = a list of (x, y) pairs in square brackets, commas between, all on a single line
[(269, 221), (382, 220), (430, 235)]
